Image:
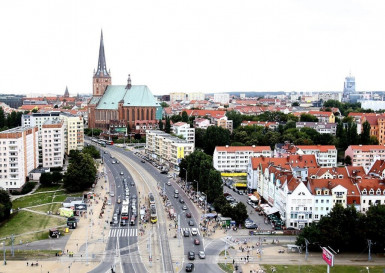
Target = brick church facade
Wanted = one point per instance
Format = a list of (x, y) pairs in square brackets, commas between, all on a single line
[(115, 107)]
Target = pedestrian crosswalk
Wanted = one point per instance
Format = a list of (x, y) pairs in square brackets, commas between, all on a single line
[(123, 232), (189, 230)]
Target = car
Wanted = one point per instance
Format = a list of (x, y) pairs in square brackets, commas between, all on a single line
[(105, 152), (164, 172), (184, 207), (186, 233), (115, 217), (115, 221), (123, 223), (176, 195), (189, 267), (109, 202), (134, 196), (132, 183), (194, 231), (113, 162), (188, 214), (254, 206), (117, 162), (191, 255), (111, 156), (143, 161), (252, 226), (191, 223), (117, 211), (119, 201), (197, 242), (202, 254), (124, 180), (176, 191), (121, 173), (181, 201), (291, 228), (168, 183), (112, 194)]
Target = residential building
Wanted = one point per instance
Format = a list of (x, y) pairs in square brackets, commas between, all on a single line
[(199, 96), (269, 124), (183, 129), (201, 123), (236, 158), (73, 132), (326, 155), (225, 123), (349, 87), (372, 193), (38, 119), (178, 96), (222, 98), (365, 155), (53, 143), (19, 155), (167, 149), (323, 116), (320, 127)]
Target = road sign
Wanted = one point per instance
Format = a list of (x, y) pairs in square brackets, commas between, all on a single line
[(327, 256)]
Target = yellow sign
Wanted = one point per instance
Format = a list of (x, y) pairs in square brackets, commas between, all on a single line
[(240, 185), (180, 152), (233, 174)]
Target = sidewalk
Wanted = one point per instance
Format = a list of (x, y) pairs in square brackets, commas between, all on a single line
[(91, 231)]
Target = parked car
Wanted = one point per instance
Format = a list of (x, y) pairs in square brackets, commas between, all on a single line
[(168, 183), (143, 161), (121, 173)]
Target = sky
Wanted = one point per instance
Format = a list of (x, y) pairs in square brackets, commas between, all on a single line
[(192, 46)]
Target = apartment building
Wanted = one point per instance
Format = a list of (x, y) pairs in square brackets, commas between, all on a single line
[(225, 123), (53, 143), (177, 96), (326, 155), (235, 158), (167, 149), (183, 129), (324, 116), (73, 127), (320, 127), (18, 156), (73, 132), (365, 155), (222, 98)]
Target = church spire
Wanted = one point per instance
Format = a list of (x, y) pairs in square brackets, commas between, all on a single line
[(128, 86), (102, 67), (66, 93)]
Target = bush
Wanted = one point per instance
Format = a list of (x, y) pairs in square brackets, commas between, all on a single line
[(28, 187)]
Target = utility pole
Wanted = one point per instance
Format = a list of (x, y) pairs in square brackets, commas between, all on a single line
[(307, 252), (369, 246), (12, 249)]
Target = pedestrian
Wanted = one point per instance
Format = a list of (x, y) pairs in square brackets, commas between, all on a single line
[(27, 263)]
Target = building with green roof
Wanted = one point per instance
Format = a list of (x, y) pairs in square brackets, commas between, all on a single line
[(120, 106)]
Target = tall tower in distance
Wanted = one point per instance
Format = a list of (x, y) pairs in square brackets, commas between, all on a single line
[(349, 87), (101, 77)]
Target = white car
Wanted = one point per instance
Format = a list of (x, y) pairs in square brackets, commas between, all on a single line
[(112, 194), (168, 183), (194, 231)]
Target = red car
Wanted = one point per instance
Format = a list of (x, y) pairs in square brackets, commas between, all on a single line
[(188, 215), (197, 242)]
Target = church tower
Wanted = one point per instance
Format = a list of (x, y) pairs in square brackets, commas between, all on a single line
[(66, 93), (101, 77)]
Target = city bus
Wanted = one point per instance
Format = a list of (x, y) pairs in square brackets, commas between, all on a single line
[(151, 199), (124, 215)]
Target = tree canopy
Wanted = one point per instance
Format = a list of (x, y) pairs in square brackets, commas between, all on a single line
[(5, 205), (81, 173), (92, 151)]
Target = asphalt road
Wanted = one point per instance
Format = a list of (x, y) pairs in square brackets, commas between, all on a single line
[(200, 266)]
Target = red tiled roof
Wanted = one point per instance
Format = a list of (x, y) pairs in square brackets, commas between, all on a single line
[(378, 167), (320, 113), (366, 148), (333, 171), (300, 161), (212, 113), (321, 148), (233, 149)]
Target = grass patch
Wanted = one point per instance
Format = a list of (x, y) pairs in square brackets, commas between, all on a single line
[(228, 268), (223, 252), (322, 269), (33, 200), (35, 255), (51, 188), (54, 207), (25, 221), (61, 196)]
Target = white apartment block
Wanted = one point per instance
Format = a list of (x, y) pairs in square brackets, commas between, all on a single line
[(195, 96), (222, 98), (225, 123), (52, 144), (183, 129), (236, 158), (18, 156), (177, 96), (326, 155), (167, 149), (73, 127)]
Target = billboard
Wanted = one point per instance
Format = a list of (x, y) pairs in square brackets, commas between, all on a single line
[(327, 256), (79, 207), (180, 152), (119, 130)]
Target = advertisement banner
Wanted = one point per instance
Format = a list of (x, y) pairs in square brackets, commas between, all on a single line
[(180, 152), (119, 130), (79, 207), (327, 256)]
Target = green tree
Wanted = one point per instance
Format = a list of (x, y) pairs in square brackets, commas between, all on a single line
[(92, 151), (81, 173), (365, 135), (200, 140), (373, 140), (216, 136), (295, 104), (184, 116), (215, 187), (348, 160), (46, 179), (2, 118), (236, 117), (308, 118), (167, 128), (160, 125), (239, 213), (164, 104), (57, 177), (373, 222), (175, 118), (5, 205)]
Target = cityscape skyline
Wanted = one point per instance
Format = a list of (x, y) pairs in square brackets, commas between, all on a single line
[(180, 47)]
